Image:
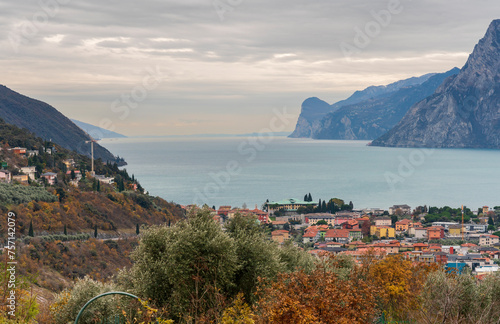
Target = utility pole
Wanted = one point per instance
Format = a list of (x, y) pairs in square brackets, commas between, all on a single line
[(463, 230), (92, 140)]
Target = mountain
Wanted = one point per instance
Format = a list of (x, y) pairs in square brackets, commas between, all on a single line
[(48, 123), (96, 132), (371, 118), (464, 111), (314, 109)]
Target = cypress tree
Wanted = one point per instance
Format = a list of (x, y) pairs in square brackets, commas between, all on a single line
[(305, 197), (137, 229), (65, 230), (30, 231), (95, 231), (98, 185), (351, 205), (309, 198), (319, 206), (323, 207)]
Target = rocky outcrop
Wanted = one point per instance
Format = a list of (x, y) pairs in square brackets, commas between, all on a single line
[(314, 110), (464, 111), (371, 118)]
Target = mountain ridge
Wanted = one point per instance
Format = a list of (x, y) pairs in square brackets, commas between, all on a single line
[(314, 109), (464, 112), (48, 123)]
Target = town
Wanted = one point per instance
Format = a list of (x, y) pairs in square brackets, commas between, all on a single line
[(398, 230)]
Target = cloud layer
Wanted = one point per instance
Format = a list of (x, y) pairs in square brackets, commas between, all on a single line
[(225, 64)]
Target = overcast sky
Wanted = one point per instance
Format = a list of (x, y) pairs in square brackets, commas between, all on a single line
[(221, 66)]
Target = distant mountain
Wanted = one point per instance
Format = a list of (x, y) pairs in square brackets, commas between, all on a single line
[(371, 118), (96, 132), (314, 109), (464, 111), (46, 122)]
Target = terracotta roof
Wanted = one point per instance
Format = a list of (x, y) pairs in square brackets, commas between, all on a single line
[(340, 233), (279, 232)]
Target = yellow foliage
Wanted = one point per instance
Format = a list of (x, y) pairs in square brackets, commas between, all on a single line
[(238, 313)]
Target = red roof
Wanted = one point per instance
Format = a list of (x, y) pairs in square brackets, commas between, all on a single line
[(337, 233)]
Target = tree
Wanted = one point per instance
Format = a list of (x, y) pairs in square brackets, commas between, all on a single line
[(309, 197), (98, 187), (322, 222), (490, 221), (394, 219), (305, 197), (323, 207), (73, 175), (65, 231), (351, 205), (188, 267), (137, 229), (30, 231), (257, 256), (321, 296), (95, 231)]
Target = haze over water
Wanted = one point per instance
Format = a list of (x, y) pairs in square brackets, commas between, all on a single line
[(187, 170)]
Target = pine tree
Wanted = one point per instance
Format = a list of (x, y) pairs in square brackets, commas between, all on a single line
[(30, 231), (137, 229), (65, 230), (95, 231)]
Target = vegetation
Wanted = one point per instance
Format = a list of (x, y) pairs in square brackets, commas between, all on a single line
[(448, 214)]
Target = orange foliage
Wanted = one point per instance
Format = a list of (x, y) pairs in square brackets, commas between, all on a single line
[(318, 297)]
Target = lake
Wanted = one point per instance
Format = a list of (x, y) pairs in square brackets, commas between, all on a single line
[(237, 170)]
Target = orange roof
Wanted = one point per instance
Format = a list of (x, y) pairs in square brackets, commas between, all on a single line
[(420, 245), (468, 245), (279, 232), (279, 222), (403, 222), (337, 233)]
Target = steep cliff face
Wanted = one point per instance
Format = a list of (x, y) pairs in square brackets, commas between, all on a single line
[(48, 123), (464, 111), (371, 118), (314, 110)]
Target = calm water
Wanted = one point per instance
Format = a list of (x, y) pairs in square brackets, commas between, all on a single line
[(233, 171)]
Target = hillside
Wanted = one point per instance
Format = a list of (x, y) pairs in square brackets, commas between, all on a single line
[(464, 111), (48, 123)]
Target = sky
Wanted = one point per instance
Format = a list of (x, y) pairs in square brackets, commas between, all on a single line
[(176, 67)]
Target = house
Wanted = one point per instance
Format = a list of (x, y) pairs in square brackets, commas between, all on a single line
[(471, 227), (351, 224), (337, 235), (5, 176), (356, 244), (19, 150), (418, 232), (383, 221), (78, 174), (403, 225), (402, 209), (311, 236), (31, 153), (104, 179), (30, 171), (435, 232), (280, 236), (355, 234), (466, 247), (383, 231), (288, 205), (21, 178), (314, 218), (420, 247), (51, 177), (261, 215), (70, 163), (455, 230), (392, 248), (488, 240), (342, 218), (224, 210)]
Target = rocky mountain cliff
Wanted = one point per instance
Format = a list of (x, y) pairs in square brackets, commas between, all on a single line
[(314, 109), (371, 118), (48, 123), (464, 111)]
